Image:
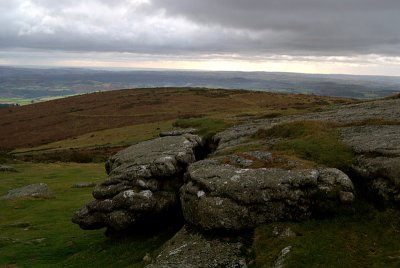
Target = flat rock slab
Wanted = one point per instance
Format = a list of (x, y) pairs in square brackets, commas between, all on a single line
[(142, 185), (39, 190), (222, 196), (373, 139), (378, 109), (4, 168), (192, 249), (388, 110), (159, 157)]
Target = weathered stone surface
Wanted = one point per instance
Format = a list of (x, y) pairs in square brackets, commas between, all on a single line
[(377, 146), (222, 196), (240, 133), (142, 185), (378, 158), (261, 159), (191, 249), (379, 109), (39, 190), (5, 168), (178, 132), (388, 110), (373, 139)]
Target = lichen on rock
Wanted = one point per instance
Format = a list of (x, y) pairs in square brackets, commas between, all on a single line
[(235, 198), (142, 184)]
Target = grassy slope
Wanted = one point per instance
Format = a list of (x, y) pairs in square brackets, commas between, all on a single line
[(110, 137), (47, 122)]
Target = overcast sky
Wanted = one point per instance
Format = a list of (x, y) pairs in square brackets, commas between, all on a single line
[(321, 36)]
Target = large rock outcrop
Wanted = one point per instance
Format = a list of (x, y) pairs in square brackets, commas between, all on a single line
[(142, 184), (222, 196), (371, 129)]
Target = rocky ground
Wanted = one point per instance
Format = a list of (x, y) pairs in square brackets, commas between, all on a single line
[(233, 191)]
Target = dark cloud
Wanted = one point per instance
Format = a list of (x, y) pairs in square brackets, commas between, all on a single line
[(307, 26), (200, 27)]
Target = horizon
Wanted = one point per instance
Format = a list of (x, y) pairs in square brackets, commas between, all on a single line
[(353, 37), (133, 69)]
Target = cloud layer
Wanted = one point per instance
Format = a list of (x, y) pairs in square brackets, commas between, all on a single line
[(193, 28), (321, 27)]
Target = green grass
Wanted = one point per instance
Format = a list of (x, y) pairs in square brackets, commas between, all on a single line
[(206, 127), (361, 240), (23, 221), (310, 140)]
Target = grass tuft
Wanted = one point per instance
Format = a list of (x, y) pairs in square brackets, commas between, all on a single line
[(310, 140)]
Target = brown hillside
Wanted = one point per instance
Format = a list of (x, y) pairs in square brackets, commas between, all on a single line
[(50, 121)]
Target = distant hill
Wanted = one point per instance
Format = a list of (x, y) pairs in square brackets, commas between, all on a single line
[(31, 83), (50, 121)]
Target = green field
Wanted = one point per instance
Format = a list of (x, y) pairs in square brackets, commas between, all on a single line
[(39, 232)]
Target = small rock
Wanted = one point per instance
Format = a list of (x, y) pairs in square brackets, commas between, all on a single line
[(4, 168), (240, 160), (83, 184), (147, 258), (282, 257), (39, 190), (36, 241), (283, 233)]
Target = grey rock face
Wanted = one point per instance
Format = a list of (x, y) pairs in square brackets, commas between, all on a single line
[(39, 190), (381, 140), (377, 147), (221, 196), (238, 134), (142, 184), (190, 249), (378, 158), (387, 109), (380, 109), (4, 168)]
